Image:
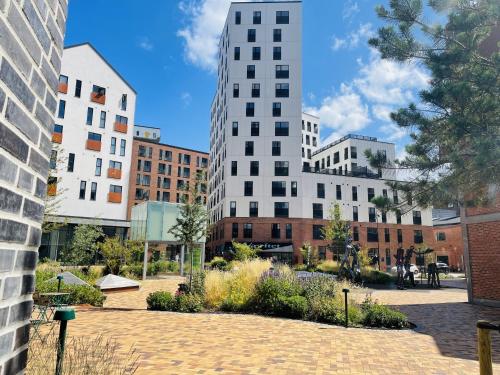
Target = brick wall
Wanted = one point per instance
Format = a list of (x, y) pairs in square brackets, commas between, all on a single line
[(31, 42), (452, 246)]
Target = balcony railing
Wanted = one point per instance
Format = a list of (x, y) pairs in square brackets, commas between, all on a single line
[(57, 137), (348, 136), (93, 145), (355, 172), (120, 127), (62, 88), (114, 173), (114, 197), (98, 98)]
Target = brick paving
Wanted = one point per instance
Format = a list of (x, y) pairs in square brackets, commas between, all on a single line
[(173, 343)]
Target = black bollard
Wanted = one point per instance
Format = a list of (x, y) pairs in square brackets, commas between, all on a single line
[(345, 290), (63, 316), (59, 280)]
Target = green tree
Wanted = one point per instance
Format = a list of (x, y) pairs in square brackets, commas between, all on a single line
[(191, 224), (84, 245), (243, 251), (310, 255), (115, 253), (454, 152), (337, 229)]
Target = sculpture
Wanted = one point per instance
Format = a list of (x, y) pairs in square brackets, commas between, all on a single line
[(400, 252), (407, 266), (350, 269)]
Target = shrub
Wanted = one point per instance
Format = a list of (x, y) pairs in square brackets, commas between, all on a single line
[(328, 266), (332, 311), (217, 286), (78, 294), (219, 263), (376, 315), (198, 283), (244, 252), (293, 307), (172, 266), (270, 293), (160, 301), (372, 276), (188, 303), (319, 286)]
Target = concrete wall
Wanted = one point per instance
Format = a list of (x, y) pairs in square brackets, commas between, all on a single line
[(31, 42)]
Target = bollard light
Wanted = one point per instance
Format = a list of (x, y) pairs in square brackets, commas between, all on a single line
[(63, 316), (345, 290), (59, 280)]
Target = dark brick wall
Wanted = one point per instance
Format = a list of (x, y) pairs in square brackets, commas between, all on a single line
[(31, 42)]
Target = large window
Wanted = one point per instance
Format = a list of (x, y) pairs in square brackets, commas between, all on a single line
[(234, 230), (371, 194), (317, 211), (256, 90), (247, 230), (276, 109), (112, 149), (417, 218), (355, 216), (250, 71), (355, 233), (253, 210), (78, 88), (281, 168), (276, 53), (62, 109), (288, 231), (237, 53), (418, 237), (254, 129), (281, 128), (280, 209), (232, 209), (254, 168), (355, 193), (251, 36), (237, 18), (276, 148), (318, 232), (93, 191), (256, 18), (282, 90), (94, 136), (336, 157), (248, 188), (123, 146), (102, 119), (234, 168), (71, 162), (275, 231), (249, 148), (235, 129), (282, 17), (372, 216), (440, 236), (282, 71), (250, 109), (90, 115), (338, 192), (115, 164), (387, 235), (293, 185), (400, 235), (83, 187), (98, 166), (256, 53), (320, 190), (278, 189), (236, 90), (372, 234), (277, 35)]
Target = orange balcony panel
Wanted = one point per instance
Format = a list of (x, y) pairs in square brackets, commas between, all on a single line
[(119, 127), (93, 145), (114, 173), (115, 197), (63, 87), (96, 98), (57, 137), (52, 190)]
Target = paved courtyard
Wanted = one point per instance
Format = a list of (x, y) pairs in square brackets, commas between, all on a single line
[(173, 343)]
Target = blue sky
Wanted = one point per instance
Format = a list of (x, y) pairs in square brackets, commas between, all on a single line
[(165, 50)]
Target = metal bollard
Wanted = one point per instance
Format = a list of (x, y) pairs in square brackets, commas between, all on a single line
[(59, 280), (345, 290), (63, 316)]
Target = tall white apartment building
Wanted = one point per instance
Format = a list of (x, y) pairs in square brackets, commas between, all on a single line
[(269, 183), (92, 143)]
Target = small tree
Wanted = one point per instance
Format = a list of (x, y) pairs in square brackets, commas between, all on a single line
[(84, 245), (243, 251), (310, 255), (191, 224), (115, 254), (336, 230)]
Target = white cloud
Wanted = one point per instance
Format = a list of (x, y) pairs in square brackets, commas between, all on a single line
[(186, 99), (352, 40), (145, 44), (205, 20), (350, 9)]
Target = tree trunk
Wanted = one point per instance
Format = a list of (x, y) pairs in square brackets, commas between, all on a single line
[(191, 253), (182, 260)]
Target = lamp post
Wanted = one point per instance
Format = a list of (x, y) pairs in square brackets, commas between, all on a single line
[(63, 316), (345, 290)]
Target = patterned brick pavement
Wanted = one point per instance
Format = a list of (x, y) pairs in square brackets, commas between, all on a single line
[(172, 343)]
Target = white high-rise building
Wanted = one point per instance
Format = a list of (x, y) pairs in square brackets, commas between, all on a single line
[(92, 140), (269, 182)]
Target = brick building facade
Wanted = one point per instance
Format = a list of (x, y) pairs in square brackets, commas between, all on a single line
[(31, 43), (449, 246)]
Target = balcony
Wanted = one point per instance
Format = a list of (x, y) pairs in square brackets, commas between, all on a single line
[(52, 189), (120, 127), (63, 88), (114, 173), (57, 137), (114, 197), (93, 145), (98, 98), (363, 172)]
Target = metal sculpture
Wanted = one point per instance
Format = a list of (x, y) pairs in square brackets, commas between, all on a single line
[(407, 265), (350, 268), (400, 252)]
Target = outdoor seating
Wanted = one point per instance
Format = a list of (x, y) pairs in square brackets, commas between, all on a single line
[(44, 308)]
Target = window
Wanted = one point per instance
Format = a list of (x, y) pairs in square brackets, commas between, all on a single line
[(161, 168), (251, 36), (338, 192), (235, 129), (234, 168), (355, 193), (83, 187), (71, 162), (417, 218), (316, 129), (256, 53), (371, 194), (384, 193), (282, 17), (93, 191), (254, 168), (275, 231), (236, 90), (232, 209), (94, 137), (123, 145), (102, 119), (282, 71), (237, 18), (63, 79), (346, 153), (234, 230), (398, 216), (400, 236), (147, 166), (98, 91), (395, 198), (372, 234), (248, 187), (256, 18), (372, 216), (115, 165), (122, 120), (387, 235), (117, 189), (112, 150), (250, 71), (278, 189), (276, 148), (249, 148), (90, 115), (384, 216), (318, 232), (277, 35), (250, 109), (280, 209), (355, 234), (123, 102), (247, 230), (282, 90), (355, 216), (78, 88), (288, 231), (281, 129), (294, 188), (440, 236), (98, 166), (281, 168), (317, 211), (53, 159), (418, 236), (256, 90), (354, 152), (276, 109), (165, 196), (146, 180), (336, 158), (62, 109), (320, 190), (276, 53), (236, 53), (253, 210), (254, 129)]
